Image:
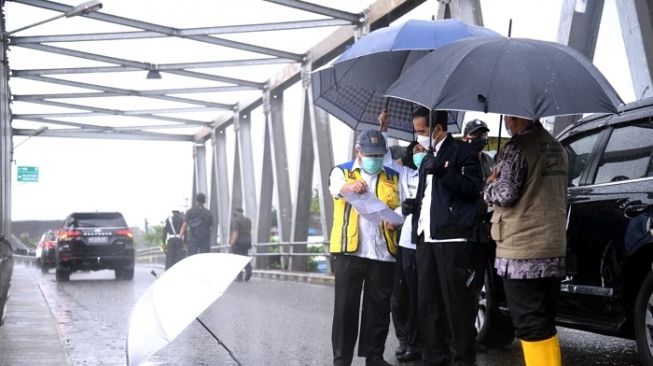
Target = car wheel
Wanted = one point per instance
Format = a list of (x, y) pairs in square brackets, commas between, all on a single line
[(644, 321), (494, 328), (124, 273), (62, 275)]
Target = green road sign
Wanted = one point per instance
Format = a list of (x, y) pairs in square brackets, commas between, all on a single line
[(27, 173)]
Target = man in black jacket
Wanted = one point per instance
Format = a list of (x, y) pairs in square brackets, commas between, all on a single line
[(445, 211)]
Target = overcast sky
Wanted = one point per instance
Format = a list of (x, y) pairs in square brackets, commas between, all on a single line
[(145, 180)]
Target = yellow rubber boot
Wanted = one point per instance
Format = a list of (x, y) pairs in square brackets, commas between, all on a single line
[(542, 353)]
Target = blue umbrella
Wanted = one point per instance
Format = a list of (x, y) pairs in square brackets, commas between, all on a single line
[(352, 87)]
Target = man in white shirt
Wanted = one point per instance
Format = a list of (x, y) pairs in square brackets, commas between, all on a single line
[(404, 296), (364, 254)]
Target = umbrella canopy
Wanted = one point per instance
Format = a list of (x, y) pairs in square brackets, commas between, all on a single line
[(176, 298), (352, 87), (520, 77)]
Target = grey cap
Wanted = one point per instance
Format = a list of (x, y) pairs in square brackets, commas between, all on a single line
[(397, 152), (372, 142)]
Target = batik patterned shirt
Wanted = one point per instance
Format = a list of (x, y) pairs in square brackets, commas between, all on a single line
[(505, 191)]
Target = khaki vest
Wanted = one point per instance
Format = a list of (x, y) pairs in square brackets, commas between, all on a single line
[(535, 226), (344, 234)]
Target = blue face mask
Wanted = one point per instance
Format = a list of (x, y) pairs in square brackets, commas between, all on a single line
[(371, 166), (417, 158)]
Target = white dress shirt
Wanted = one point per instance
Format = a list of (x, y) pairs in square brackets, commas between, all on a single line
[(424, 223), (408, 180), (371, 244)]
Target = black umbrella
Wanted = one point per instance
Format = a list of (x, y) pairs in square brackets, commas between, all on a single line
[(520, 77), (352, 87)]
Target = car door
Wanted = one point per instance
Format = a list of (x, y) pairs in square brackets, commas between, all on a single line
[(617, 177)]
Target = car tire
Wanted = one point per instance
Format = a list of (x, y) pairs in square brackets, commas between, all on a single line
[(62, 275), (124, 273), (494, 328), (643, 318)]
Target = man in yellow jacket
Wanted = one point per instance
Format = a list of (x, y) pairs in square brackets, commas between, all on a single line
[(363, 252)]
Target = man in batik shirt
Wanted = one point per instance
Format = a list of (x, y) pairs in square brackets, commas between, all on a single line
[(528, 189)]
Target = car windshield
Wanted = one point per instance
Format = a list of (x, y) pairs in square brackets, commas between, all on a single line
[(98, 220)]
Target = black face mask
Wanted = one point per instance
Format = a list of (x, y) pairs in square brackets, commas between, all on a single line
[(479, 143)]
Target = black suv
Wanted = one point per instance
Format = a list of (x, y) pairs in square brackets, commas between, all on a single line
[(95, 241), (609, 283)]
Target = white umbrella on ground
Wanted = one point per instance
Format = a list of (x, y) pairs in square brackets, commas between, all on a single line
[(176, 298)]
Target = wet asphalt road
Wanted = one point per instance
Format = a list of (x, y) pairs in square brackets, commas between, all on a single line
[(264, 322)]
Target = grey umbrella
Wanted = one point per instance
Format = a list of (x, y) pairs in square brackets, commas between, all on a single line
[(519, 77)]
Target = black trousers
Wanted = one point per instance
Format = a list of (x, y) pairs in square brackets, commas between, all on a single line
[(446, 282), (174, 252), (240, 250), (374, 278), (532, 304), (404, 299), (197, 248)]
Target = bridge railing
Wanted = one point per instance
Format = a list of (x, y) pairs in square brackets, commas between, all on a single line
[(279, 255)]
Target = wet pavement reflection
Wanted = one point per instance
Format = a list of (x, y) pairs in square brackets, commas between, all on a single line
[(264, 322)]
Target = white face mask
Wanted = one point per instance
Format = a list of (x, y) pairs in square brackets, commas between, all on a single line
[(424, 141)]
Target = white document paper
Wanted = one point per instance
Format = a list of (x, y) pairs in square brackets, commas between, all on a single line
[(372, 209)]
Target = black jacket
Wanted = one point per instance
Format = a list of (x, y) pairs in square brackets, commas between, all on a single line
[(455, 193)]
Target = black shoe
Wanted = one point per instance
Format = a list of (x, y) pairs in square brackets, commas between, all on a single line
[(248, 276), (410, 356), (376, 362)]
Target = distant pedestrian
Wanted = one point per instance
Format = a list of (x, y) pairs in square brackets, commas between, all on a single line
[(528, 189), (196, 230), (174, 247), (241, 239)]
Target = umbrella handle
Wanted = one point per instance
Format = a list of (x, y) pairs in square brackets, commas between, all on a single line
[(219, 341)]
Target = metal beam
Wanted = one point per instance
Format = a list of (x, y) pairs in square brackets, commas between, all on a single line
[(227, 29), (469, 11), (302, 210), (280, 165), (138, 64), (319, 9), (150, 136), (636, 18), (63, 123), (243, 129), (199, 168), (96, 111), (236, 185), (176, 66), (323, 151), (213, 202), (124, 92), (264, 218), (6, 141), (211, 89), (380, 13), (141, 112), (164, 30), (219, 140), (579, 29)]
